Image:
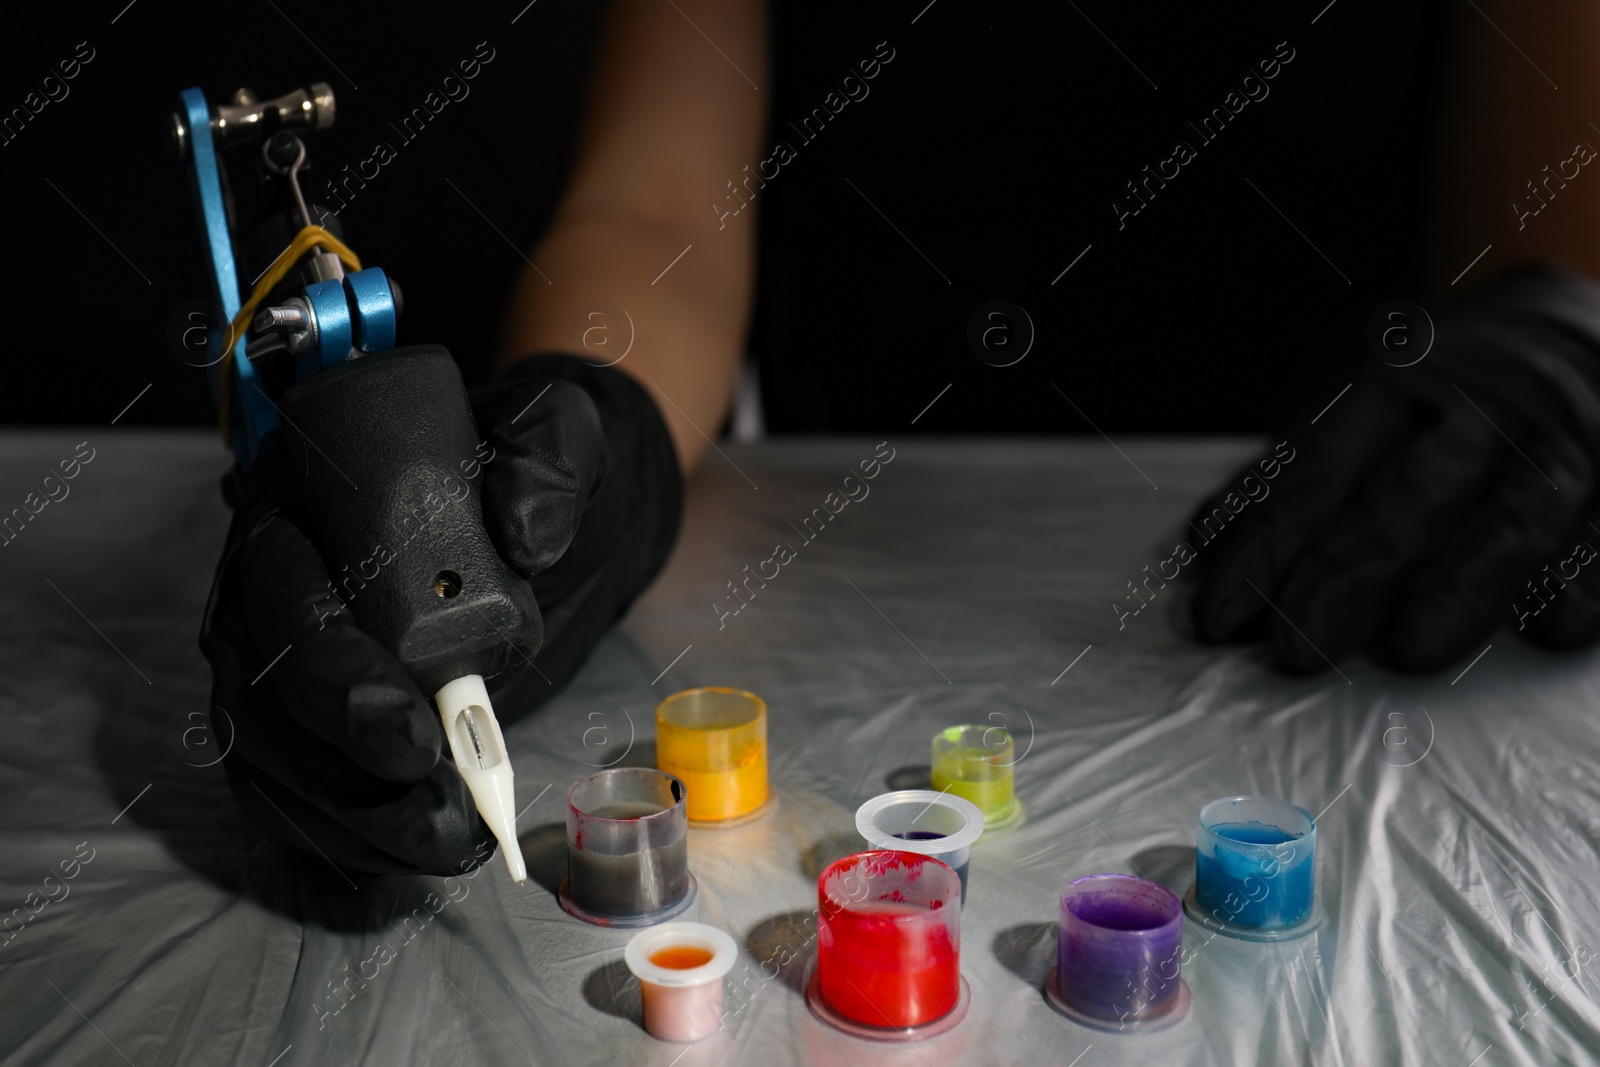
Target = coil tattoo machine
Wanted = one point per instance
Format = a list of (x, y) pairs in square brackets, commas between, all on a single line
[(307, 361)]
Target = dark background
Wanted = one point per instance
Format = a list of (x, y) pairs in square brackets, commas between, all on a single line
[(994, 140)]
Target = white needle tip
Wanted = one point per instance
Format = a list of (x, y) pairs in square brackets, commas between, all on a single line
[(480, 754)]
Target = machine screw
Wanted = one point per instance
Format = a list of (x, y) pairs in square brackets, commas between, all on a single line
[(294, 320)]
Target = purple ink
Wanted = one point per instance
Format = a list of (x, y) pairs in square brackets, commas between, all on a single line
[(1119, 950)]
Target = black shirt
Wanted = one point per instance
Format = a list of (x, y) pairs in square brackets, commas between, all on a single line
[(1196, 208)]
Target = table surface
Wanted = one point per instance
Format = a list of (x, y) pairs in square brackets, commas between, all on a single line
[(1458, 841)]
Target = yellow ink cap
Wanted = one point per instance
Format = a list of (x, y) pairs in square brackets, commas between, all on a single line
[(715, 739), (975, 763)]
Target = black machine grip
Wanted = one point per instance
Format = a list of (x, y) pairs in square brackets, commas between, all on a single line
[(391, 463)]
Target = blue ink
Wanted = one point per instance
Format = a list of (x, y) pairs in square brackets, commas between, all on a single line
[(1256, 874)]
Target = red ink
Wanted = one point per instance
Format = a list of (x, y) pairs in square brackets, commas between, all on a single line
[(889, 957)]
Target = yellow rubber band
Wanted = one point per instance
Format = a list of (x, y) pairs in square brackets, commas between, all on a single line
[(307, 239)]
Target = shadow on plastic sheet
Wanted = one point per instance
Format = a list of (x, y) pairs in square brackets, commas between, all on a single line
[(191, 810), (786, 944), (544, 850), (920, 777), (815, 857), (1027, 951), (1168, 865), (614, 990)]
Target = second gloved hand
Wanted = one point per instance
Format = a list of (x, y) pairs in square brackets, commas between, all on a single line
[(1420, 511)]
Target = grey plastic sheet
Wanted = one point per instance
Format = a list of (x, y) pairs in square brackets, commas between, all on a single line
[(1459, 830)]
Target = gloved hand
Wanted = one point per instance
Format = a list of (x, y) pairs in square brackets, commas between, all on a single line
[(334, 749), (1421, 510)]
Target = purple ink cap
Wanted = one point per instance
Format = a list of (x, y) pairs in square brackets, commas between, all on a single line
[(1118, 954)]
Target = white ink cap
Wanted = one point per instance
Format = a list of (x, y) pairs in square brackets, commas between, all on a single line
[(480, 754), (681, 1002)]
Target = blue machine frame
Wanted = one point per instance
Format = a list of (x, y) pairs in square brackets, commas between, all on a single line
[(354, 316)]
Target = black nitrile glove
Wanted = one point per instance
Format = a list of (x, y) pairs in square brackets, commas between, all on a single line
[(628, 526), (1412, 518), (333, 748)]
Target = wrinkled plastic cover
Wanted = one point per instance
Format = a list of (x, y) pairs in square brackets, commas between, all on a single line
[(1459, 829)]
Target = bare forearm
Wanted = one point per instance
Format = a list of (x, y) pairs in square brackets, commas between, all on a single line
[(636, 242), (1507, 123), (607, 296)]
